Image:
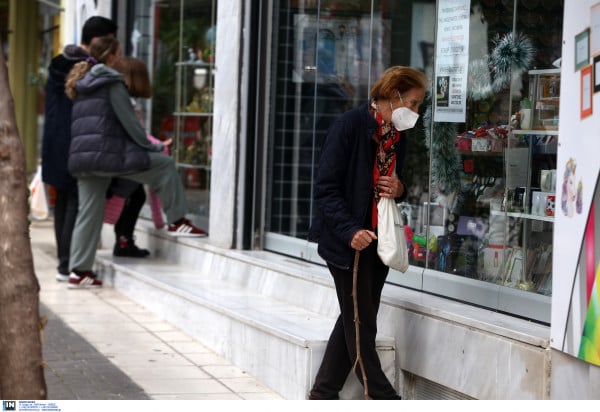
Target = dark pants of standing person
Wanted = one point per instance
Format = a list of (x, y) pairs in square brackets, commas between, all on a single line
[(130, 213), (65, 214), (340, 354)]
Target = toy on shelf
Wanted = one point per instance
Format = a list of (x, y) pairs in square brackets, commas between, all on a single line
[(423, 247)]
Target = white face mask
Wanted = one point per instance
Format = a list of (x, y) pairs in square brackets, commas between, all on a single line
[(403, 118)]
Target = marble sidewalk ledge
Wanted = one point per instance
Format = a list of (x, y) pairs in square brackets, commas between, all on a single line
[(273, 314), (277, 342)]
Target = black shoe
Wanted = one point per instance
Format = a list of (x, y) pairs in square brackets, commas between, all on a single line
[(126, 247)]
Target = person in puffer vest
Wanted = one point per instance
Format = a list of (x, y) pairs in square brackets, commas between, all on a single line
[(108, 141), (56, 138)]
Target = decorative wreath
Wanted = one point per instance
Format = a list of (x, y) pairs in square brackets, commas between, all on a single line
[(511, 56)]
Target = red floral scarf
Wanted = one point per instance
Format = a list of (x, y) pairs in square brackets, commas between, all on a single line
[(385, 156)]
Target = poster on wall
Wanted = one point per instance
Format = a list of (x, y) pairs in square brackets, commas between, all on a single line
[(575, 321), (452, 61)]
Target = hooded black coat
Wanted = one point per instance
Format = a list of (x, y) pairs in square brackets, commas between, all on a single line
[(344, 184), (56, 137)]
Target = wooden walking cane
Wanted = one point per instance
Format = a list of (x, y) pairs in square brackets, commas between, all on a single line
[(359, 360)]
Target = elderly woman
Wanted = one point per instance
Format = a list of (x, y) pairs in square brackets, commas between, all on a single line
[(362, 149)]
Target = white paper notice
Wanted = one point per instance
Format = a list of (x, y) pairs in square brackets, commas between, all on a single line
[(452, 61)]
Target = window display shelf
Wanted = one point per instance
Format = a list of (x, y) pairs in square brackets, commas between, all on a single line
[(523, 216), (192, 114), (479, 153), (193, 166), (536, 132), (195, 64)]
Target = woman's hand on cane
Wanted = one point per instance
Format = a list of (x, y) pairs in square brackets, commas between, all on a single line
[(362, 239)]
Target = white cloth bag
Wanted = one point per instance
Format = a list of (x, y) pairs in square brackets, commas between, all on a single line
[(38, 204), (391, 245)]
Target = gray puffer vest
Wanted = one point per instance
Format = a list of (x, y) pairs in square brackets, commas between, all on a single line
[(99, 143)]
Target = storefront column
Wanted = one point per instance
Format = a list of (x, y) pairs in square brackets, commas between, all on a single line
[(23, 61), (226, 139)]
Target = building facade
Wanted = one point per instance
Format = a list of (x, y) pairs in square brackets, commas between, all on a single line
[(248, 89)]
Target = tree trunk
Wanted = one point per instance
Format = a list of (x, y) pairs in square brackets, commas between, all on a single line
[(21, 363)]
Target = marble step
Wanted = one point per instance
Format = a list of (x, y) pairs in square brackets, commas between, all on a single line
[(239, 315)]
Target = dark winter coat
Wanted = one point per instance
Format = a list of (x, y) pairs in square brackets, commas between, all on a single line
[(100, 141), (56, 137), (344, 184)]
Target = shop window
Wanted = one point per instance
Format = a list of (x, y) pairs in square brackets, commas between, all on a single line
[(480, 185), (183, 73)]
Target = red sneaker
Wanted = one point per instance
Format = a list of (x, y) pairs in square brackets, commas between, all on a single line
[(85, 280), (185, 228)]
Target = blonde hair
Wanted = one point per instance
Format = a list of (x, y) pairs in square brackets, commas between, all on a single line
[(100, 49), (137, 77), (398, 79)]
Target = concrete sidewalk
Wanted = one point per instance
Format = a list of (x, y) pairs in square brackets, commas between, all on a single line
[(100, 345)]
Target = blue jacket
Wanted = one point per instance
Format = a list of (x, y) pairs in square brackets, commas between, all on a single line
[(56, 137), (102, 119), (344, 184)]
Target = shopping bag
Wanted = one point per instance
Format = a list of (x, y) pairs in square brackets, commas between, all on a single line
[(391, 243), (113, 208), (156, 209), (155, 204), (38, 203)]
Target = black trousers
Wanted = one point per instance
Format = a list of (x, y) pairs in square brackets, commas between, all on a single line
[(340, 353), (65, 213), (126, 223)]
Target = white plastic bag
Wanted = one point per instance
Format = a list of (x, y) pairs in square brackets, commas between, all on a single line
[(38, 204), (391, 243)]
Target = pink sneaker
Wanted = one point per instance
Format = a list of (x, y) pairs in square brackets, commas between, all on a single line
[(185, 228)]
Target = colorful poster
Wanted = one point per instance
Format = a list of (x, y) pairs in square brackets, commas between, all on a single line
[(575, 321), (452, 61), (589, 347)]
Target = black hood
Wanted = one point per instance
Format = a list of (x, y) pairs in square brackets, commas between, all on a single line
[(61, 65)]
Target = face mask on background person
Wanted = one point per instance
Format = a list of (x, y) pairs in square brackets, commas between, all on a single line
[(403, 118)]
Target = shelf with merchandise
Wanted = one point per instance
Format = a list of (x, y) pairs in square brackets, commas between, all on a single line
[(530, 194), (193, 114)]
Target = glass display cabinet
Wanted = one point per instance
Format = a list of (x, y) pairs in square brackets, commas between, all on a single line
[(530, 195), (183, 93), (499, 226), (193, 127)]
